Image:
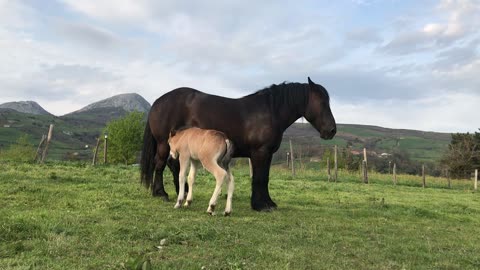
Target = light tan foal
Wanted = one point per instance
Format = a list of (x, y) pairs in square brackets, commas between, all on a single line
[(214, 151)]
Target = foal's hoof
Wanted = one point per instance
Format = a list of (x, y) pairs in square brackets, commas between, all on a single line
[(227, 214), (211, 210), (178, 204), (187, 203)]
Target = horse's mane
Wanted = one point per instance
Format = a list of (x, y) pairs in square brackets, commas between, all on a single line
[(287, 93)]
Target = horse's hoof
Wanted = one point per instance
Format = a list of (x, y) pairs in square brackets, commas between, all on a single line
[(227, 214), (163, 196), (187, 203), (264, 207), (272, 204)]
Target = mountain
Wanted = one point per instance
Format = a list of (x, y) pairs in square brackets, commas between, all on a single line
[(128, 102), (30, 107), (103, 111)]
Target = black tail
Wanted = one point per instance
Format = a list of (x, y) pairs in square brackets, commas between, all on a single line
[(147, 162)]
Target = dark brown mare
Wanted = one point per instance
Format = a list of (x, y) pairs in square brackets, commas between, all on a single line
[(255, 123)]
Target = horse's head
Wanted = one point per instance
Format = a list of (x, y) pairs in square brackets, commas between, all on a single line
[(318, 111)]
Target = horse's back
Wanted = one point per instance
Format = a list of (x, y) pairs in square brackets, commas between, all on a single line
[(189, 107)]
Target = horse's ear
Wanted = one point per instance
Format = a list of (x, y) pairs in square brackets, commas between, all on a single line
[(310, 82), (172, 133)]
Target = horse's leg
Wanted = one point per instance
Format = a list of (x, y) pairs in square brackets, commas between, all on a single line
[(230, 186), (184, 162), (220, 175), (191, 180), (158, 189), (174, 166), (261, 200)]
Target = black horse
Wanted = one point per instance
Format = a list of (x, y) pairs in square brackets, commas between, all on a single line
[(255, 123)]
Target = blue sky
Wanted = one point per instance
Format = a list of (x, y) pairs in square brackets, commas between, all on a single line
[(392, 63)]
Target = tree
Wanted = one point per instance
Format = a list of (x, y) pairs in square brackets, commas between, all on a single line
[(463, 154), (21, 151), (125, 137)]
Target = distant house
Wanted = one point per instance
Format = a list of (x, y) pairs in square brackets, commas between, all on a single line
[(6, 126)]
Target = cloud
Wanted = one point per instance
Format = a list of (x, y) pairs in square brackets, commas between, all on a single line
[(93, 37), (79, 52), (445, 113), (363, 36), (456, 20)]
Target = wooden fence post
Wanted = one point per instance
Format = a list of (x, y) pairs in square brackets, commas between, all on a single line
[(336, 164), (94, 162), (448, 178), (49, 138), (250, 166), (395, 174), (292, 158), (38, 154), (476, 180), (328, 169), (105, 149), (365, 172), (423, 175), (365, 166), (389, 167), (288, 159)]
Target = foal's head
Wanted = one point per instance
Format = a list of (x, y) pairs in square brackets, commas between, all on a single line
[(173, 142)]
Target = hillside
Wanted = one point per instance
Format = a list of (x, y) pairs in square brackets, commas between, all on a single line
[(76, 130), (420, 145), (30, 107), (127, 102), (74, 133)]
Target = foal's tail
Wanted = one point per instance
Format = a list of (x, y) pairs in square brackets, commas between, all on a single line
[(147, 161), (227, 157)]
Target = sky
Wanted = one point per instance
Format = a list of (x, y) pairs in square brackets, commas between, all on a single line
[(394, 63)]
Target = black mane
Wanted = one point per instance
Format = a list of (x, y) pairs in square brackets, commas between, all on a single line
[(293, 95)]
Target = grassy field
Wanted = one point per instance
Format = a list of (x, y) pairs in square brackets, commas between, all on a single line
[(73, 216)]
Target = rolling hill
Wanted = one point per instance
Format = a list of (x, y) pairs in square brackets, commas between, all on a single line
[(75, 133)]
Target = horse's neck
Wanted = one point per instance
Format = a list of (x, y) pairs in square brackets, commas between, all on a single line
[(291, 108)]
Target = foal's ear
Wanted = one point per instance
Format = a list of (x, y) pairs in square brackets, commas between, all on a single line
[(172, 133)]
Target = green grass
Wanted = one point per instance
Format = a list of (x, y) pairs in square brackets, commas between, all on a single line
[(72, 216)]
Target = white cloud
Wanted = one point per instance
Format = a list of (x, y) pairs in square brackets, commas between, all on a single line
[(444, 113), (67, 61)]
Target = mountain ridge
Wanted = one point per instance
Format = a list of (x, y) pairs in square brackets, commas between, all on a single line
[(30, 107)]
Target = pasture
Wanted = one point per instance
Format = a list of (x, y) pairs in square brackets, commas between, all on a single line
[(74, 216)]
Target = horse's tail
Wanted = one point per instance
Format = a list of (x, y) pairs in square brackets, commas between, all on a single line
[(147, 161), (227, 157)]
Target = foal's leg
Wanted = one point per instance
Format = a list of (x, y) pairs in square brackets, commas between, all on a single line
[(191, 180), (220, 175), (174, 166), (184, 162), (230, 186)]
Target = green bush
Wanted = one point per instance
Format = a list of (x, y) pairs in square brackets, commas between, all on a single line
[(125, 138)]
